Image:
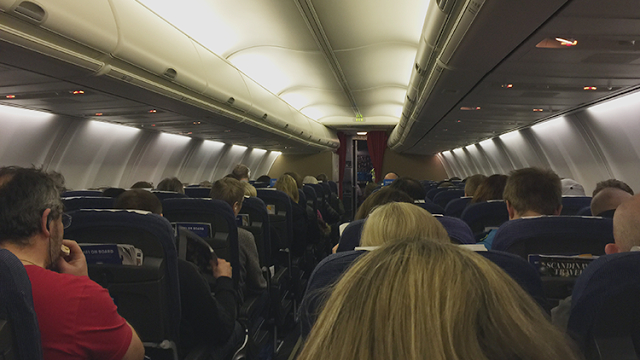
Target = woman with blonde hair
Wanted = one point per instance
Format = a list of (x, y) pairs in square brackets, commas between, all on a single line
[(287, 184), (396, 220), (419, 299)]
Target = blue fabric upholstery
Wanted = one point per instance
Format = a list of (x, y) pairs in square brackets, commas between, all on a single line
[(16, 303), (430, 206), (459, 232), (605, 318), (259, 217), (521, 271), (585, 211), (482, 215), (312, 198), (571, 205), (197, 192), (433, 192), (334, 187), (72, 193), (163, 195), (324, 275), (350, 238), (568, 235), (87, 202), (455, 207), (148, 296), (219, 214), (281, 220), (444, 197)]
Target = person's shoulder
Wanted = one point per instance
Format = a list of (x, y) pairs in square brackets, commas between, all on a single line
[(244, 234), (48, 277)]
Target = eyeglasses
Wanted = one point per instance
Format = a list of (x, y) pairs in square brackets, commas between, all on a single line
[(66, 220)]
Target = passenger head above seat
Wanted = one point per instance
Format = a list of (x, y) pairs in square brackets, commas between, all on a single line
[(288, 185), (608, 199), (491, 188), (612, 183), (241, 172), (394, 221), (138, 199), (533, 192), (171, 184), (418, 299), (411, 186), (384, 196), (472, 184), (626, 227), (230, 191), (142, 185)]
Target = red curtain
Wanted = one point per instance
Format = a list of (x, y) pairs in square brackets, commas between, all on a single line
[(377, 144), (342, 158)]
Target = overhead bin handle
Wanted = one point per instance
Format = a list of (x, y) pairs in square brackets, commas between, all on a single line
[(31, 11)]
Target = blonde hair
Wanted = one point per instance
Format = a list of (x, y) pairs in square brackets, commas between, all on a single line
[(418, 299), (393, 221), (288, 185), (249, 190)]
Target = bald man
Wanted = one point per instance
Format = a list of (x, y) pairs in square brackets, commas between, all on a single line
[(607, 200), (390, 176), (626, 227)]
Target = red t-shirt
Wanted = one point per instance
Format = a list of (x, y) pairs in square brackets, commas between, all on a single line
[(77, 317)]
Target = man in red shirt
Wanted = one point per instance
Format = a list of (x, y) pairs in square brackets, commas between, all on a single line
[(76, 316)]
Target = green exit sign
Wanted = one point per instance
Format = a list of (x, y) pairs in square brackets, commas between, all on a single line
[(359, 118)]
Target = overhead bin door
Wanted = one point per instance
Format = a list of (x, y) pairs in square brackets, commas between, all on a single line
[(224, 82), (269, 108), (88, 22), (153, 44)]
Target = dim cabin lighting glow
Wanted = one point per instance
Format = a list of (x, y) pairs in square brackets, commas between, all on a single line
[(567, 42), (538, 110), (256, 150), (10, 111), (153, 111), (277, 153), (618, 105), (312, 113), (507, 86), (110, 127), (589, 88), (98, 114), (297, 101), (486, 142), (78, 92), (10, 96), (546, 124), (362, 133), (470, 108), (175, 137), (510, 135), (239, 147), (213, 142)]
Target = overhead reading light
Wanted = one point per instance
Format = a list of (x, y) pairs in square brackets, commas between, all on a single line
[(567, 42), (10, 96), (78, 92), (98, 114), (538, 110), (507, 86), (589, 88), (196, 123), (469, 108), (362, 133), (153, 111)]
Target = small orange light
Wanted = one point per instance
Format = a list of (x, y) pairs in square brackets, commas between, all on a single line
[(469, 108), (153, 124), (538, 110), (567, 42), (508, 86), (459, 121), (189, 133), (153, 111), (196, 123), (10, 96), (98, 114), (589, 88), (78, 92)]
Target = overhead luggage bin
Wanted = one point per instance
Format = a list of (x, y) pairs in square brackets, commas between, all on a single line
[(157, 47)]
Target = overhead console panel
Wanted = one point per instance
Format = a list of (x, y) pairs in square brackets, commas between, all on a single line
[(123, 40), (462, 41)]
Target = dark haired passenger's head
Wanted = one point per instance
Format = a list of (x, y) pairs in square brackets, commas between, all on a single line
[(142, 185), (112, 192), (138, 199), (533, 191), (322, 177), (490, 189), (296, 177), (612, 183), (230, 191), (25, 193), (171, 184), (410, 186), (264, 179), (472, 183), (241, 172), (381, 197)]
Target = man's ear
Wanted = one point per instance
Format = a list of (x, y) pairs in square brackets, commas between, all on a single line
[(558, 210), (511, 210), (44, 226), (611, 249)]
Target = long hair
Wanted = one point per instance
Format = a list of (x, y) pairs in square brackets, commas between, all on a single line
[(288, 185), (383, 196), (490, 189), (424, 300), (393, 221)]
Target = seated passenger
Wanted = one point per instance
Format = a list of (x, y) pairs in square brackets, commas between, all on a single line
[(530, 192), (332, 214), (288, 185), (76, 316), (241, 172), (607, 200), (410, 186), (206, 184), (112, 192), (171, 184), (251, 281), (265, 179), (612, 183), (571, 187), (490, 189), (472, 184), (418, 299), (207, 319), (390, 176), (249, 190), (142, 185)]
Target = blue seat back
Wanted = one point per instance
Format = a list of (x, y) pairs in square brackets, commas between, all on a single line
[(458, 230), (279, 209), (197, 192), (521, 271), (585, 211), (163, 195), (334, 187), (326, 273), (302, 196), (434, 191), (605, 318), (148, 296), (455, 207), (87, 202), (430, 206), (483, 215), (72, 193), (554, 235), (19, 329), (219, 215), (259, 218), (350, 238), (312, 198), (571, 205), (444, 197), (327, 189)]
